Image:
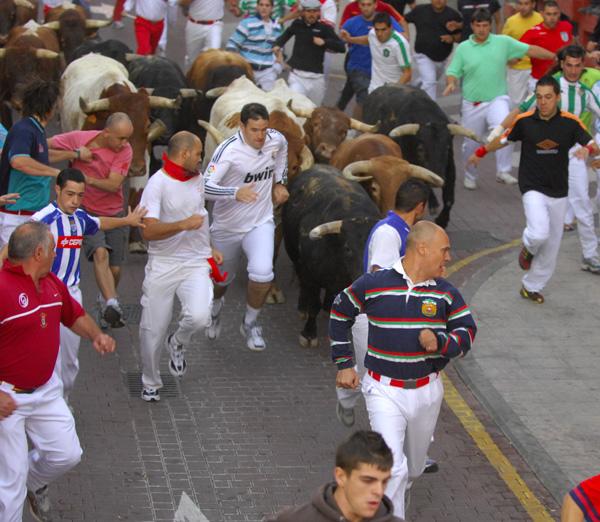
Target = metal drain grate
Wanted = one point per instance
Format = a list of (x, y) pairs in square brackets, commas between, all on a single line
[(133, 381), (132, 313)]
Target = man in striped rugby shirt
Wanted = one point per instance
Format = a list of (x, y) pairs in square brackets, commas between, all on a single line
[(417, 323)]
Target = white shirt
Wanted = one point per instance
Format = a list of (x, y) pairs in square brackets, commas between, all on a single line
[(170, 200), (153, 10), (206, 9), (388, 59), (329, 12), (68, 231), (384, 247), (235, 164)]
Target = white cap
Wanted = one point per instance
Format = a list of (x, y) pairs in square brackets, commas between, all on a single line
[(310, 4)]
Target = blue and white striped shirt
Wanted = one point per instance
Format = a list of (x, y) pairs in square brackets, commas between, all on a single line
[(68, 231), (254, 40)]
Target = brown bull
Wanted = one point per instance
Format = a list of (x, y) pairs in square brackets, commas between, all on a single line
[(34, 38), (71, 23), (364, 147), (217, 68), (14, 13), (326, 128)]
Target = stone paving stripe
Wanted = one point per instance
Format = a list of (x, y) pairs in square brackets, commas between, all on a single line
[(484, 442), (188, 511), (455, 267)]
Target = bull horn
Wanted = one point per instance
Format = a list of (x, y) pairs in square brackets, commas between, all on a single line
[(212, 130), (97, 24), (55, 26), (407, 129), (216, 92), (24, 3), (45, 53), (333, 227), (459, 130), (190, 93), (356, 167), (2, 53), (416, 171), (158, 102), (307, 159), (363, 127), (156, 130), (129, 57), (96, 106), (301, 113)]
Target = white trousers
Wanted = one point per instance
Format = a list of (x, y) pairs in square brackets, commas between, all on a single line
[(544, 218), (266, 78), (308, 83), (200, 37), (482, 118), (8, 222), (360, 340), (580, 205), (430, 73), (44, 418), (258, 246), (518, 84), (164, 279), (67, 362), (406, 420)]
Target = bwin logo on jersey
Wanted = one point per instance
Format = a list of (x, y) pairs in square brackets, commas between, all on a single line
[(262, 175)]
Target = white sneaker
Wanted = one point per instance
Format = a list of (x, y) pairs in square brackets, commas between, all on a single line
[(213, 330), (39, 504), (253, 335), (591, 264), (469, 184), (177, 364), (506, 178), (118, 24)]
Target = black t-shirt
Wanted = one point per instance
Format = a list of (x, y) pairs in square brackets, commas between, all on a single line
[(544, 165), (468, 7), (400, 5), (430, 26)]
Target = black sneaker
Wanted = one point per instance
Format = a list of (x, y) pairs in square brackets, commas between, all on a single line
[(113, 315), (431, 466), (150, 395), (39, 504)]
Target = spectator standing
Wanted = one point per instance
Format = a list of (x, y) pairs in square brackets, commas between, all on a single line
[(311, 39), (467, 9), (438, 27), (104, 176), (254, 39), (516, 26)]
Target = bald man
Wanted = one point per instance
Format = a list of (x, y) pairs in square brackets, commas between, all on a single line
[(417, 323), (176, 228)]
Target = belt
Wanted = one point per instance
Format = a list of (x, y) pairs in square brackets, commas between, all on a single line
[(409, 384), (18, 212), (16, 389), (256, 67), (202, 22)]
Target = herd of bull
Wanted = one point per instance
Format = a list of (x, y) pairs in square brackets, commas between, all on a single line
[(339, 186)]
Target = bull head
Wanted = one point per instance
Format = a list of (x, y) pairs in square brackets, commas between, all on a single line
[(212, 130), (156, 130), (459, 130), (96, 106), (406, 129), (332, 227), (367, 166), (158, 102)]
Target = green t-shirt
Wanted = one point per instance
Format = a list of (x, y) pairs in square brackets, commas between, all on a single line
[(482, 66), (589, 78)]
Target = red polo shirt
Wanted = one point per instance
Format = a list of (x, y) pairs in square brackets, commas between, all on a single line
[(353, 9), (551, 39), (30, 325)]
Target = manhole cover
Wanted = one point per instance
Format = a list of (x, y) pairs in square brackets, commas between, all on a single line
[(132, 313), (133, 381), (472, 240)]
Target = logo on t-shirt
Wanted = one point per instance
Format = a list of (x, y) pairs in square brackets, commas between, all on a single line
[(386, 53), (262, 175), (428, 307), (547, 147), (23, 300), (69, 242), (564, 36)]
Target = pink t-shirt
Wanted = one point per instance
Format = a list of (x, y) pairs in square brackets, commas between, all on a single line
[(97, 201)]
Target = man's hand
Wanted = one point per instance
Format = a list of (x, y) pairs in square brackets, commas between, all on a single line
[(104, 343), (194, 222), (447, 38), (318, 41), (217, 255), (595, 163), (452, 25), (280, 194), (134, 219), (347, 378), (7, 405), (345, 35), (473, 160), (9, 199), (246, 194), (428, 340), (450, 88), (582, 153), (85, 154)]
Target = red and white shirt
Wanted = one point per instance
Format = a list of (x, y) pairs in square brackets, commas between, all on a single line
[(30, 325), (551, 39)]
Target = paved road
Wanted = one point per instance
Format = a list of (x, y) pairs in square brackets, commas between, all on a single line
[(246, 434)]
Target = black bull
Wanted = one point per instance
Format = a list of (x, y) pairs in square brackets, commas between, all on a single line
[(333, 257), (431, 147)]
